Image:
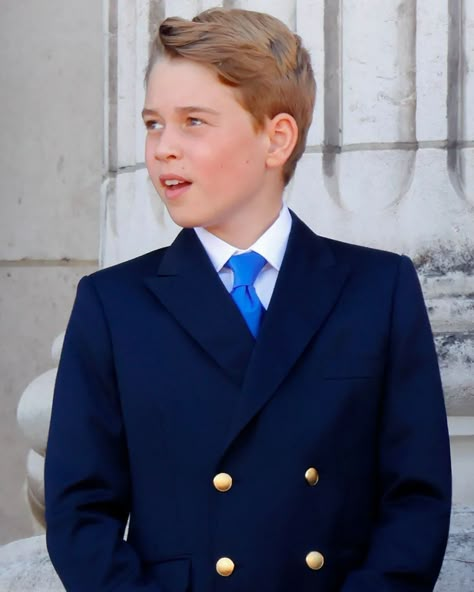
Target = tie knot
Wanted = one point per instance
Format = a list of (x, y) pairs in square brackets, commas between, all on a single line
[(246, 268)]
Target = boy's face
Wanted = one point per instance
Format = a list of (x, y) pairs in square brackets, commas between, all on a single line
[(204, 157)]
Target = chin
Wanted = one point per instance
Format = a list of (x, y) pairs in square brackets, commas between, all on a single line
[(185, 220)]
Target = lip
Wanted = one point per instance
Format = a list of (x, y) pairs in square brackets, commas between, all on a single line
[(174, 191), (169, 177)]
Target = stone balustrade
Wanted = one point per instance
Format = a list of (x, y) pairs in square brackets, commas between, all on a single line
[(34, 413)]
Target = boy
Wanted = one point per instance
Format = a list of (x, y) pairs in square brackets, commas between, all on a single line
[(264, 403)]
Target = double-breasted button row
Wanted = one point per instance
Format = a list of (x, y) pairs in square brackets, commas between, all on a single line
[(223, 481), (225, 566)]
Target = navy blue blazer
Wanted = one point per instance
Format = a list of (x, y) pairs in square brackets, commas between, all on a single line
[(160, 387)]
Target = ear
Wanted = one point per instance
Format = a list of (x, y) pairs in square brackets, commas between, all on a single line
[(282, 132)]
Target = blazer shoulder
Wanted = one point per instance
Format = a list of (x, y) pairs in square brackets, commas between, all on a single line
[(361, 257), (128, 272), (356, 257)]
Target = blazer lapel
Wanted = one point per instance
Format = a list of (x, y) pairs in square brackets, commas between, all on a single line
[(189, 288), (308, 287)]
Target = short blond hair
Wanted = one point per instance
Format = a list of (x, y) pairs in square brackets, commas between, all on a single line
[(256, 54)]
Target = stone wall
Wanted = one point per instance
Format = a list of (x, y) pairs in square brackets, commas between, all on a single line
[(51, 168)]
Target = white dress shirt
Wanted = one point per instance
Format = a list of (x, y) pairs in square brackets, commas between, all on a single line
[(271, 245)]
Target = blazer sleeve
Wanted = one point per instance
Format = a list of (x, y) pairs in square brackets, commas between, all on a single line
[(411, 530), (87, 486)]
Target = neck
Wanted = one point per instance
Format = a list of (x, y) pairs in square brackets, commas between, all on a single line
[(242, 234)]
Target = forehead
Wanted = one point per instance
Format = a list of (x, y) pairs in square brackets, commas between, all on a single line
[(178, 82)]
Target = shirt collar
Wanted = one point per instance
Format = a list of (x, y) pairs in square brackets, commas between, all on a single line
[(271, 245)]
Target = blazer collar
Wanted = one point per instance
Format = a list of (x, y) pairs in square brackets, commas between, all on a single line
[(309, 284), (188, 286)]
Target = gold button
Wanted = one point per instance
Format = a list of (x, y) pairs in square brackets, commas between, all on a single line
[(225, 566), (222, 482), (314, 560), (311, 476)]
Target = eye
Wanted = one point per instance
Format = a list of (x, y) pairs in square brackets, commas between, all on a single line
[(153, 125), (194, 121)]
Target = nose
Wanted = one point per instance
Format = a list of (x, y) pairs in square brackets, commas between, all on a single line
[(167, 145)]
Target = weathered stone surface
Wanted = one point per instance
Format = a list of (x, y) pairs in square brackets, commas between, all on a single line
[(462, 455), (456, 360), (421, 216), (57, 347), (457, 574), (447, 284), (35, 486), (455, 313), (183, 8), (310, 23), (34, 410), (371, 180), (462, 174), (25, 567), (379, 71), (126, 42), (51, 165), (285, 10), (432, 70), (468, 70), (434, 218), (136, 220)]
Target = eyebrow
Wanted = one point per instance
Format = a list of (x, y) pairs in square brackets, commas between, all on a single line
[(184, 110)]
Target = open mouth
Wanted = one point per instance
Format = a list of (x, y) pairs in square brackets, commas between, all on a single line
[(174, 183), (174, 186)]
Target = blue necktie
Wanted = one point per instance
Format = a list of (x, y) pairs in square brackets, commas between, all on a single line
[(246, 268)]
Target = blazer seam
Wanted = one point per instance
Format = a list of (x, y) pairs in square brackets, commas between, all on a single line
[(109, 336), (392, 304)]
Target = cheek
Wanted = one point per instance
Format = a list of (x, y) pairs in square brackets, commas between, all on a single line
[(246, 164), (151, 163), (148, 151), (239, 156)]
